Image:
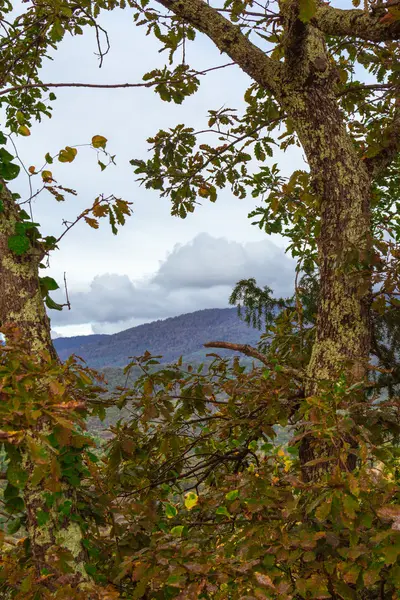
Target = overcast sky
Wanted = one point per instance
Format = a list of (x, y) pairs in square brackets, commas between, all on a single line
[(158, 265)]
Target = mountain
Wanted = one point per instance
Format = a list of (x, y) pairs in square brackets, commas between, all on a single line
[(65, 343), (172, 338)]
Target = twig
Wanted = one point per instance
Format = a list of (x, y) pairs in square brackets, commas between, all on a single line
[(368, 87), (147, 84), (254, 353), (68, 303)]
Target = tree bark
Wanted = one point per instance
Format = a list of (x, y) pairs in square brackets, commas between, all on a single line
[(21, 303), (342, 186), (22, 306)]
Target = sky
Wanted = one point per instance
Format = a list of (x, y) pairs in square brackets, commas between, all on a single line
[(158, 265)]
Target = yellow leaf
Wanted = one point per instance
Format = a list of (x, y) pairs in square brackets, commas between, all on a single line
[(98, 141), (24, 130), (56, 388), (47, 176), (68, 154), (191, 499), (203, 192)]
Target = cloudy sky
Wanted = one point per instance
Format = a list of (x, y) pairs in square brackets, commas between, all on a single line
[(158, 265)]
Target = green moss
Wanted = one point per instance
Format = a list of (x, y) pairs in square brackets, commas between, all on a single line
[(71, 539)]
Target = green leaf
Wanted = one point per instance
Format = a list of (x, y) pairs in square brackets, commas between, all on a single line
[(178, 530), (15, 505), (18, 244), (48, 284), (230, 496), (222, 510), (346, 591), (170, 511), (67, 155), (14, 526), (42, 517), (350, 506), (323, 511), (17, 476), (51, 304), (307, 9), (20, 117), (38, 473), (8, 170)]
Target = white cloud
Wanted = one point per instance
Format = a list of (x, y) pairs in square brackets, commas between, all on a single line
[(197, 275), (208, 261)]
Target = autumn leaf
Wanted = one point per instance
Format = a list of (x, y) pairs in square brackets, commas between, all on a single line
[(67, 155), (191, 499), (98, 141), (92, 222), (264, 580), (24, 130)]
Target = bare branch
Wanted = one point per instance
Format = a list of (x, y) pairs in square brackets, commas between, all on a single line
[(254, 353), (147, 84), (83, 85)]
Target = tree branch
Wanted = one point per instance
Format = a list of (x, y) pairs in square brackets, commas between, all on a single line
[(84, 85), (229, 39), (147, 84), (254, 353), (355, 23)]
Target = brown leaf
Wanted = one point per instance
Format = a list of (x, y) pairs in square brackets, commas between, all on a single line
[(264, 580)]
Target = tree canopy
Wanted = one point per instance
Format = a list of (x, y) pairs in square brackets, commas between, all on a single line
[(193, 497)]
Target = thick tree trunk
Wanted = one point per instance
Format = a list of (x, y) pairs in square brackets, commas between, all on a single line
[(343, 187), (22, 306)]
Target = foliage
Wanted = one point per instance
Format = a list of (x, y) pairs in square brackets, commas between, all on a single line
[(42, 461), (192, 497), (212, 508)]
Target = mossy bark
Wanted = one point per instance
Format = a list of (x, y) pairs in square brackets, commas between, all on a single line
[(22, 306), (21, 303), (342, 186)]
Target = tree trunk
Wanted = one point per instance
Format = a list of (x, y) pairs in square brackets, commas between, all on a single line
[(343, 187), (22, 306), (21, 303)]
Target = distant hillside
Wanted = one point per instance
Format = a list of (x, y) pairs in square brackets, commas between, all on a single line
[(64, 344), (174, 337)]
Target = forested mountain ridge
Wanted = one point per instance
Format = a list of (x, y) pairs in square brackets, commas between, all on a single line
[(173, 337)]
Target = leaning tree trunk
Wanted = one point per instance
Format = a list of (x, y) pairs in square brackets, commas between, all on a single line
[(343, 188), (22, 306)]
